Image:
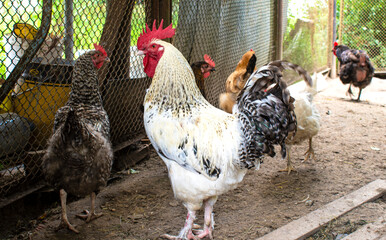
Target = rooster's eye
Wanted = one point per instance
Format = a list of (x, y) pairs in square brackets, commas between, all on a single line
[(153, 46)]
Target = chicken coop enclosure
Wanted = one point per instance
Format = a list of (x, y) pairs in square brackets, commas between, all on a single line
[(40, 40)]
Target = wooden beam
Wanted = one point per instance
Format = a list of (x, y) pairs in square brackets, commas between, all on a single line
[(370, 231), (329, 33), (312, 222)]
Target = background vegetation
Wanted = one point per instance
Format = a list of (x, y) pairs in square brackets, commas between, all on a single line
[(305, 41), (364, 27)]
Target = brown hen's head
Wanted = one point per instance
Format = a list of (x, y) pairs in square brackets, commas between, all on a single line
[(99, 56), (208, 67), (153, 51), (243, 63)]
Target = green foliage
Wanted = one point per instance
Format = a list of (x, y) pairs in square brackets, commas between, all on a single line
[(364, 28), (138, 22), (306, 34), (89, 19)]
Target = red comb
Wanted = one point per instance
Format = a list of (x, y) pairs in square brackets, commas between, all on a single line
[(251, 49), (335, 44), (149, 35), (100, 49), (209, 61)]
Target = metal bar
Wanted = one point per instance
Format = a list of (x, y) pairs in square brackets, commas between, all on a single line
[(30, 52), (69, 30)]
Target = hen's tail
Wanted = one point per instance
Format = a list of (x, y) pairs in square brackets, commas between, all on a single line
[(266, 116)]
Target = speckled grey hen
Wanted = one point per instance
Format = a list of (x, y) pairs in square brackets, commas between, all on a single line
[(79, 155)]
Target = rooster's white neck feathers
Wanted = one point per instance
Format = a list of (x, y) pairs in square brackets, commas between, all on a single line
[(173, 84)]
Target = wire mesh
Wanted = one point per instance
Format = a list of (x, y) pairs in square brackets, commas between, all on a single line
[(223, 29), (363, 27), (305, 40)]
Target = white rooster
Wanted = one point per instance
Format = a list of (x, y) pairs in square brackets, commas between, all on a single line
[(208, 151)]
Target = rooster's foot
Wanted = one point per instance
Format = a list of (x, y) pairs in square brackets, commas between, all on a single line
[(310, 153), (207, 231), (88, 216), (66, 224), (187, 236), (288, 169)]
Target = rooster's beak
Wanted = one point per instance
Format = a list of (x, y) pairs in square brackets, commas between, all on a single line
[(107, 59), (140, 53)]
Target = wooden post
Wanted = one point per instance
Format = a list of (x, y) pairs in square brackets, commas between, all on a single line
[(329, 34), (331, 60), (279, 29), (341, 21), (333, 67), (116, 40), (160, 9)]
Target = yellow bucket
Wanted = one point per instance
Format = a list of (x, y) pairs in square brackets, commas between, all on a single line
[(38, 102), (41, 91)]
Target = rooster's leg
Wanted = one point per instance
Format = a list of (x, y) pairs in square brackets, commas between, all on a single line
[(64, 220), (359, 94), (310, 151), (90, 215), (289, 167), (186, 232), (208, 218), (349, 91)]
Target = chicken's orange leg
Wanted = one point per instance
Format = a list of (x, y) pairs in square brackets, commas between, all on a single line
[(90, 215), (64, 220), (310, 151), (186, 232), (289, 167)]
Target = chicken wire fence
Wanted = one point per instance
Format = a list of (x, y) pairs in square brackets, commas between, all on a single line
[(306, 40), (361, 25), (225, 30)]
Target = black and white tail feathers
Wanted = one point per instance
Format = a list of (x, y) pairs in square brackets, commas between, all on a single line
[(266, 116), (285, 65)]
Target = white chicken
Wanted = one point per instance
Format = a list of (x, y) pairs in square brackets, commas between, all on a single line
[(208, 151), (307, 117)]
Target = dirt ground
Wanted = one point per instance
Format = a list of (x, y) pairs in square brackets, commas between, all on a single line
[(350, 152)]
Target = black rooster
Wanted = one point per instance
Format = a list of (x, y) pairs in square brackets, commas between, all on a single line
[(355, 67)]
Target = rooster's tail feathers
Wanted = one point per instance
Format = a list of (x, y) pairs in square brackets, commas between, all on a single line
[(260, 81), (266, 116), (282, 64)]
